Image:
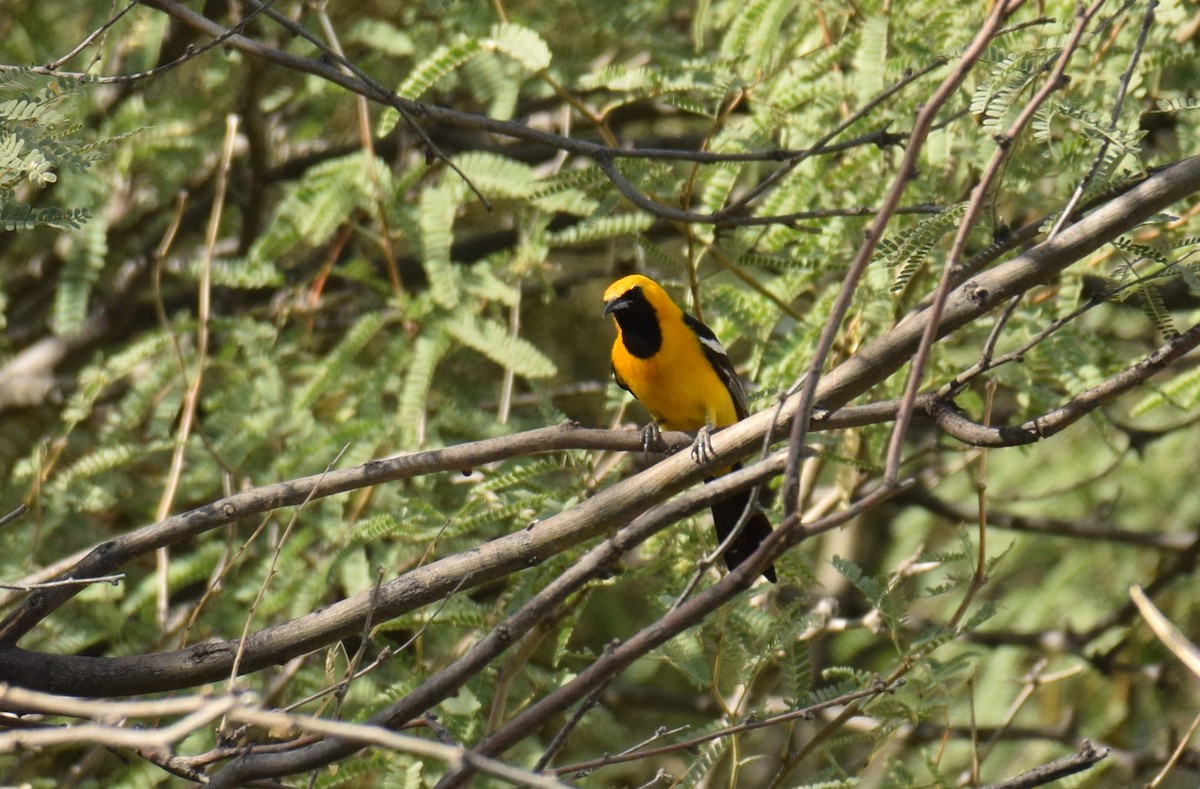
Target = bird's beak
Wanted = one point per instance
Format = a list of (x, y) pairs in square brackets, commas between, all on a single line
[(619, 303)]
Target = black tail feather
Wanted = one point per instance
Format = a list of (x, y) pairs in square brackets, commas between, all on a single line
[(726, 514)]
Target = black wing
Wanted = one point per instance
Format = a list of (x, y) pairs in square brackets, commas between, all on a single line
[(715, 353)]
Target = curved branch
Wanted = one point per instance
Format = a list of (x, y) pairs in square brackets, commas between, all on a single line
[(117, 552), (619, 503), (604, 155), (1087, 756), (954, 423), (878, 359), (683, 617), (447, 681)]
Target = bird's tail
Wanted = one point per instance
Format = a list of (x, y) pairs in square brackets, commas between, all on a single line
[(726, 514)]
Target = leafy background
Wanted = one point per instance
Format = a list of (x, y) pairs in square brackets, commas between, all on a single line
[(365, 303)]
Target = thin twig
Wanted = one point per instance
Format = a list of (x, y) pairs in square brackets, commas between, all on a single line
[(262, 589), (53, 69), (1175, 754), (1118, 104), (370, 161), (841, 304), (114, 580), (382, 657), (803, 713), (54, 65), (1087, 756), (343, 687), (979, 194), (20, 510), (560, 737), (191, 396)]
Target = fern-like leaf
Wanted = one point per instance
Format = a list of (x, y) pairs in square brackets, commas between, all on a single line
[(80, 271), (1151, 301), (426, 353), (425, 74), (870, 62), (497, 176), (522, 45), (909, 252), (1181, 392), (756, 24), (884, 600), (1004, 85), (501, 346), (439, 205), (600, 229), (1176, 105), (338, 360)]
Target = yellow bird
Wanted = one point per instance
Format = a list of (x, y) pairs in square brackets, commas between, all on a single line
[(675, 366)]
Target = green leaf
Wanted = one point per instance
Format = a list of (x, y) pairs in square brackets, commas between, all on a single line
[(81, 270), (418, 378), (498, 344), (521, 44), (909, 251), (497, 176), (439, 205), (600, 229), (421, 78), (1181, 392)]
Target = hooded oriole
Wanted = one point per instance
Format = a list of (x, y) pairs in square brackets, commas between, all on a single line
[(675, 366)]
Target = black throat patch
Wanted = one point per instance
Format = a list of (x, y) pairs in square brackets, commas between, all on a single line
[(640, 331)]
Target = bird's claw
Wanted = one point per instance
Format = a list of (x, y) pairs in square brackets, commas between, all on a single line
[(702, 448), (651, 437)]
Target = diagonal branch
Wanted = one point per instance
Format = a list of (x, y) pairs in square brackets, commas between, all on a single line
[(858, 266), (1004, 144), (619, 503), (1087, 756)]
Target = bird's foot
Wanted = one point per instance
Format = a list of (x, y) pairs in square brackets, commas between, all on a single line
[(651, 438), (702, 448)]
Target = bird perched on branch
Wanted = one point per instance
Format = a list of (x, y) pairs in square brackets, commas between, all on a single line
[(675, 366)]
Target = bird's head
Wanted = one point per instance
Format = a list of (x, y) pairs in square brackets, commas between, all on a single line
[(634, 293), (638, 305)]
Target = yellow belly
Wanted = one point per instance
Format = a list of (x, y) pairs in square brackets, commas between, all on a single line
[(684, 396)]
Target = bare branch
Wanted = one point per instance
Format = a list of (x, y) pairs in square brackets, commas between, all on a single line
[(115, 580), (802, 713), (198, 711), (841, 305), (979, 194), (622, 501), (954, 423), (1087, 756)]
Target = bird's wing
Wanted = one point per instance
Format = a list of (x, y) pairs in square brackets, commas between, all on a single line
[(715, 353)]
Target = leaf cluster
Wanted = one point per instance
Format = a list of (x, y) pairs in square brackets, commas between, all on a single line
[(363, 301)]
